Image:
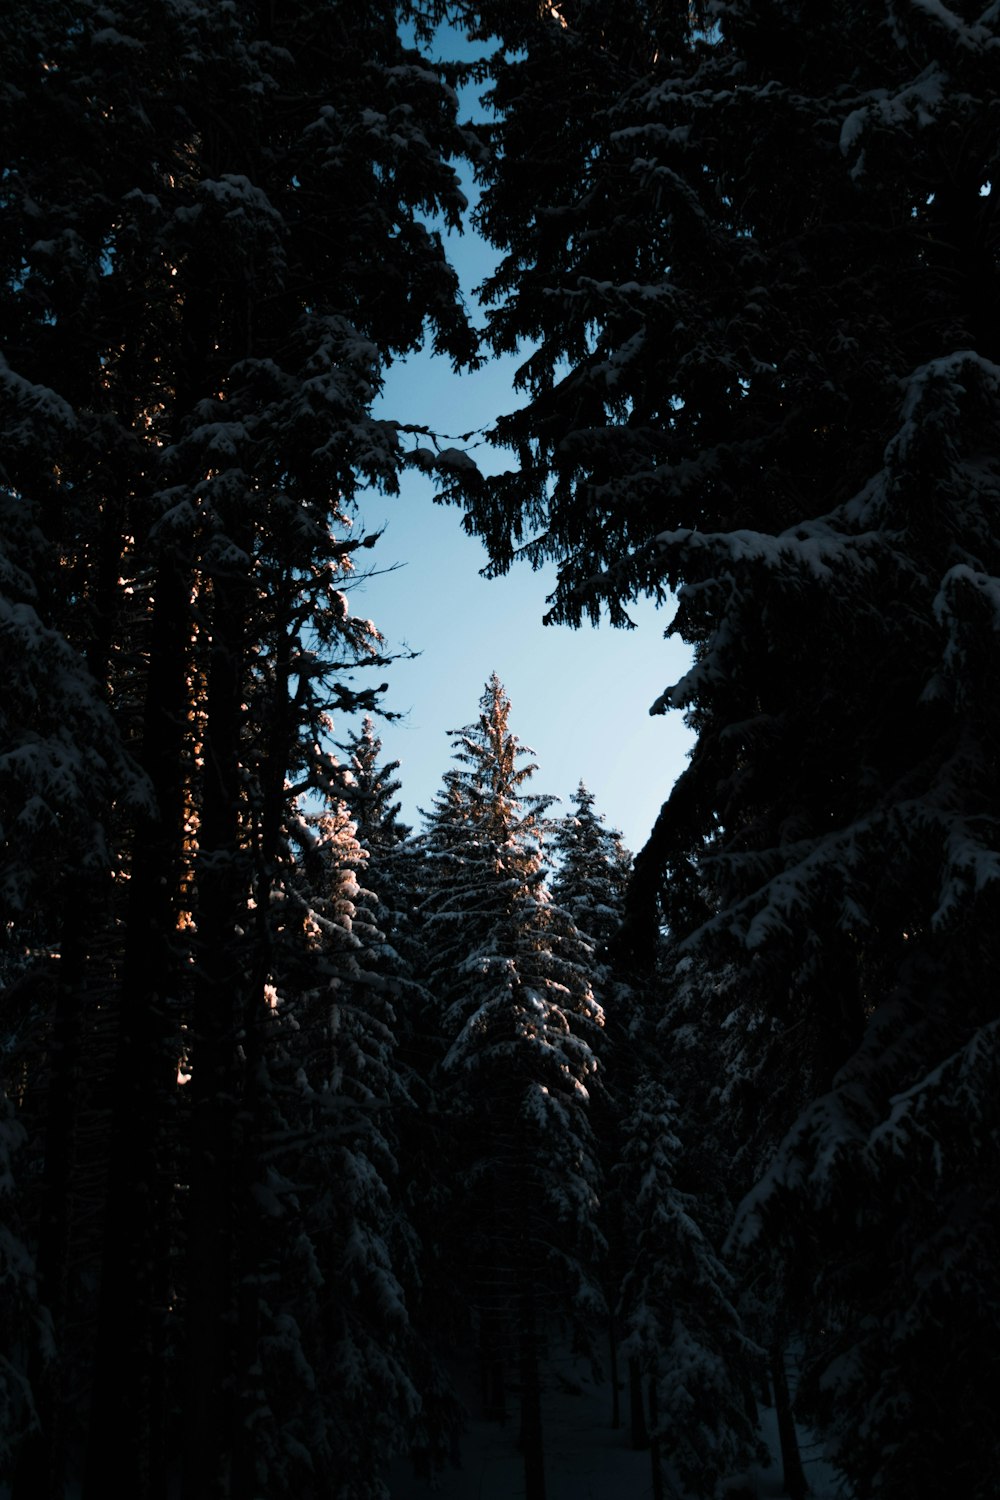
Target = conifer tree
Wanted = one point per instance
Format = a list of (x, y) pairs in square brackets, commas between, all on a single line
[(369, 789), (761, 282), (509, 972), (593, 869), (399, 960), (677, 1306), (372, 788), (339, 1253)]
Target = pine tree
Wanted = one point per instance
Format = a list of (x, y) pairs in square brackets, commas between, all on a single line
[(761, 281), (677, 1308), (369, 789), (593, 869), (510, 974), (399, 960), (337, 1252), (372, 788)]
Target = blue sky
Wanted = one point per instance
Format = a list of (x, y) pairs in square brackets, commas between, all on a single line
[(580, 698)]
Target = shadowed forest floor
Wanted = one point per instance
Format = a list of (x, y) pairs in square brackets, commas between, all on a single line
[(585, 1457)]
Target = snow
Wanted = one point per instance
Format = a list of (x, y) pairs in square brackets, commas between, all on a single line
[(974, 37), (40, 401), (585, 1457), (456, 460), (236, 193), (108, 36)]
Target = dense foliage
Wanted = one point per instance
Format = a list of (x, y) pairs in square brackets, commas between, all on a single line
[(213, 243), (757, 250), (751, 250)]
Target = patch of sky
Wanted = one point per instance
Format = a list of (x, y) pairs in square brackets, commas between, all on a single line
[(580, 698)]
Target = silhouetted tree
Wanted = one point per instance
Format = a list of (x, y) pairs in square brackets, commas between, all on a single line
[(761, 285)]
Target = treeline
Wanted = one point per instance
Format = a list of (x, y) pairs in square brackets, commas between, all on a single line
[(456, 1150), (752, 249)]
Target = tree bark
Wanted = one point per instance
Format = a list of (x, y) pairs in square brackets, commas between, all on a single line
[(41, 1467), (492, 1367), (531, 1394), (655, 1452), (616, 1399), (637, 1413), (794, 1475), (222, 976), (121, 1453)]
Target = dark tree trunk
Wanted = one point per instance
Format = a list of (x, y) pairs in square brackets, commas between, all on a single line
[(655, 1449), (492, 1366), (41, 1468), (222, 978), (794, 1475), (531, 1395), (616, 1399), (128, 1396), (248, 1250), (750, 1403), (639, 1432)]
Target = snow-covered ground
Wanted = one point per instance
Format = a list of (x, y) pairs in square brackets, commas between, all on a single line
[(585, 1457)]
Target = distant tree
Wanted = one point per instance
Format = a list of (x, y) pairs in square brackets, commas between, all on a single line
[(372, 788), (592, 871), (761, 287), (368, 789), (399, 959), (510, 973)]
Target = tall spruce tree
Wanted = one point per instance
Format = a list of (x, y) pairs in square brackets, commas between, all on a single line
[(756, 250), (592, 871), (509, 972), (373, 786), (212, 244), (338, 1254)]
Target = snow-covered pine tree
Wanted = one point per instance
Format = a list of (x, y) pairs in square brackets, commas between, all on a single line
[(373, 786), (212, 243), (369, 789), (761, 281), (676, 1310), (335, 1252), (592, 869), (399, 960), (589, 881), (510, 974)]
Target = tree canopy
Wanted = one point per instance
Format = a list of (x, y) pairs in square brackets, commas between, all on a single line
[(761, 278), (750, 250)]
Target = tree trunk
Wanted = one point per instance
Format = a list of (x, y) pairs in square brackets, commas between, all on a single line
[(616, 1400), (794, 1475), (655, 1458), (222, 977), (531, 1395), (637, 1414), (41, 1466), (750, 1403), (128, 1383)]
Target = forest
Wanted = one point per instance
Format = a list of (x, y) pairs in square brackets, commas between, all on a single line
[(301, 1109)]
